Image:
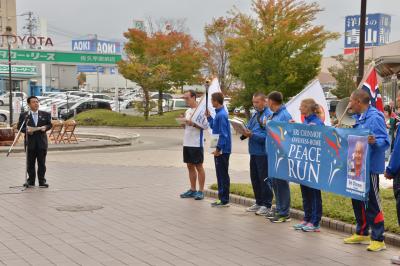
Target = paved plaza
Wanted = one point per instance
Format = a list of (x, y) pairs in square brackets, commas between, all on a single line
[(121, 206)]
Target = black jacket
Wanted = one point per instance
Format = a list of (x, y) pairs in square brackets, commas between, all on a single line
[(38, 140)]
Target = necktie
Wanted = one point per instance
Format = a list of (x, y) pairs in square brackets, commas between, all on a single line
[(35, 118)]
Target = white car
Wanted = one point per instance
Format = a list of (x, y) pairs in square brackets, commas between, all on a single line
[(4, 116), (5, 98), (101, 96), (177, 104)]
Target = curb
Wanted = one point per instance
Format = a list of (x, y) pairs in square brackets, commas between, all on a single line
[(339, 226), (118, 142), (132, 139), (132, 127), (70, 147)]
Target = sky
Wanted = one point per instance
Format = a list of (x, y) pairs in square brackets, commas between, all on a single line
[(73, 19)]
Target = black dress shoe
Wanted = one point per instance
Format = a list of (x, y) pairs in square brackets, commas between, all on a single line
[(28, 185), (44, 185)]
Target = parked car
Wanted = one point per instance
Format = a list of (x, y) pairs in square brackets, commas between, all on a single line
[(61, 105), (4, 116), (240, 111), (101, 96), (177, 104), (165, 96), (78, 93), (51, 94), (85, 105), (5, 98)]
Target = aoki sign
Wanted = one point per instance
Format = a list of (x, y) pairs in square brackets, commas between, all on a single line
[(96, 46)]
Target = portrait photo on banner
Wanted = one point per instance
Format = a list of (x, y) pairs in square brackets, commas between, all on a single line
[(357, 162)]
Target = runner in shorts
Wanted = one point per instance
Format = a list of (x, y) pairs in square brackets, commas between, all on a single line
[(193, 151)]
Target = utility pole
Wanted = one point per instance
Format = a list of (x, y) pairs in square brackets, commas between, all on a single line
[(98, 79), (31, 26), (361, 50)]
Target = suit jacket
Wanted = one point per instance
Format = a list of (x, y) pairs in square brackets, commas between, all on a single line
[(38, 140)]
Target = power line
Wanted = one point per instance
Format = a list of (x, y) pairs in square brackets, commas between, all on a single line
[(66, 32), (74, 34)]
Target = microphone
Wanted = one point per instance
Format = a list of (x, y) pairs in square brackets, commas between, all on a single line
[(29, 113)]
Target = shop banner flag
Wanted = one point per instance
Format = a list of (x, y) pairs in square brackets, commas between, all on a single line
[(326, 158)]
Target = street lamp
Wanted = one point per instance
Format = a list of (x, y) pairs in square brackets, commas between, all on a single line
[(10, 38)]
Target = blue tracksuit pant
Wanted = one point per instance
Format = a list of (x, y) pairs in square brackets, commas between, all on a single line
[(262, 185), (282, 196), (369, 214), (223, 180), (312, 204)]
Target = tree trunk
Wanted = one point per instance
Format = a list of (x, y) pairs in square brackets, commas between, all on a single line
[(160, 102), (146, 104), (247, 112)]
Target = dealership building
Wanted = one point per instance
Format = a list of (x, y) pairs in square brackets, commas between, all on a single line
[(38, 70)]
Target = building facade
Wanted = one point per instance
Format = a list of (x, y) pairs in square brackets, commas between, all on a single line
[(8, 15)]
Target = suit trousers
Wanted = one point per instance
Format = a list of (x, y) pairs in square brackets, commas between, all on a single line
[(39, 156)]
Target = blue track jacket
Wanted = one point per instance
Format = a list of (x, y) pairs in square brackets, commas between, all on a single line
[(220, 125), (259, 134), (313, 120), (393, 168), (282, 115), (374, 120)]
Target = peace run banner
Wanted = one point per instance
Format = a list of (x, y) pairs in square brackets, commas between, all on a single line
[(325, 158)]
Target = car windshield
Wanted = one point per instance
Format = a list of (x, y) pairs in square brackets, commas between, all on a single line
[(180, 104), (64, 105)]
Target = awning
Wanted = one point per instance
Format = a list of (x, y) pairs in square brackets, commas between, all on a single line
[(388, 65)]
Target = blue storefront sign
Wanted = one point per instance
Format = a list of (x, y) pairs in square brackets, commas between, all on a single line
[(113, 70), (98, 46), (377, 30), (89, 69), (326, 158)]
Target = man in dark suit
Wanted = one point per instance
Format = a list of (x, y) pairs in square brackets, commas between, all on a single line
[(35, 141)]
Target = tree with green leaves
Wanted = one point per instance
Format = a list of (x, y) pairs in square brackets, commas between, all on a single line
[(158, 60), (278, 49), (346, 75), (142, 65), (81, 79)]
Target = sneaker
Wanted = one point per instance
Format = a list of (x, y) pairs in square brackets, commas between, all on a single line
[(395, 260), (270, 214), (253, 208), (262, 211), (376, 246), (199, 195), (357, 239), (311, 228), (188, 194), (300, 225), (280, 219), (219, 204)]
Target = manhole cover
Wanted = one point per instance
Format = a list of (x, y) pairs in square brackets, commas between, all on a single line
[(79, 208)]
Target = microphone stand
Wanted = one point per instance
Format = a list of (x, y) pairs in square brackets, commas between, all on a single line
[(26, 146)]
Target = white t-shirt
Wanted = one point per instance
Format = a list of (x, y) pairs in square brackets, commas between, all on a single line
[(194, 137)]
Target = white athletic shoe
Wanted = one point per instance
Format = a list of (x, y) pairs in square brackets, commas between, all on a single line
[(395, 260), (263, 211), (253, 208)]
